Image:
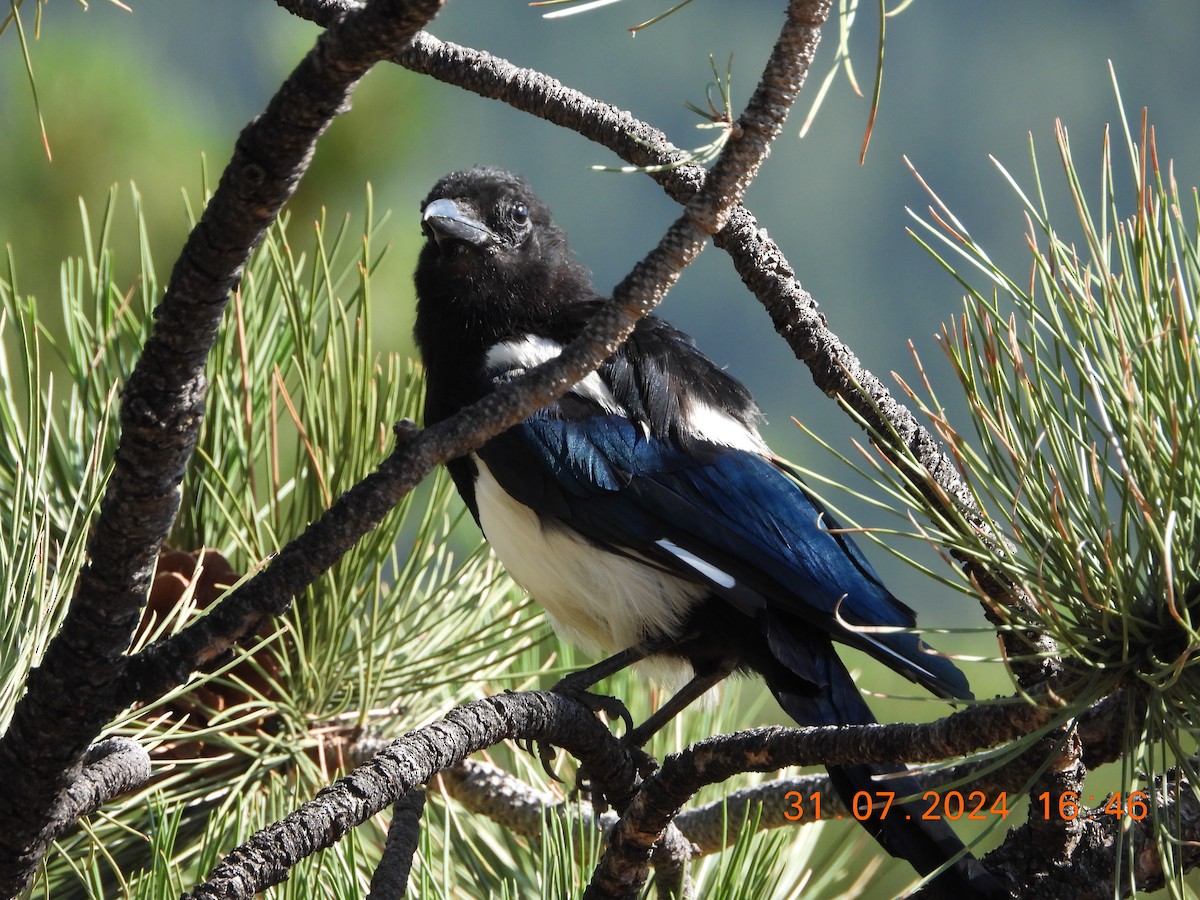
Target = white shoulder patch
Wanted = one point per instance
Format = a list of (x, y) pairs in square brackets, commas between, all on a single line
[(721, 428), (526, 353), (514, 357)]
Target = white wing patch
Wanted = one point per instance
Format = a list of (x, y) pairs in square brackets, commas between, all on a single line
[(513, 357), (692, 561)]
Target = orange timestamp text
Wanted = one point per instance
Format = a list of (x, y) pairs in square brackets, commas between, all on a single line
[(1067, 807), (970, 806)]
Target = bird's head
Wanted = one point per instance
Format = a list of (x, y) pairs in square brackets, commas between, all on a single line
[(493, 260), (479, 214)]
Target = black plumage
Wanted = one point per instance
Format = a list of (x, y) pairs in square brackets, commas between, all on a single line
[(644, 511)]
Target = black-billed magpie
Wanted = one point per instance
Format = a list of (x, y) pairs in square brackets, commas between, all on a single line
[(643, 510)]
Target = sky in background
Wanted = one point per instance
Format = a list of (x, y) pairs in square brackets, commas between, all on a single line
[(142, 95)]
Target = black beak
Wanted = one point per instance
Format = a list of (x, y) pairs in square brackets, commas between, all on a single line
[(446, 220)]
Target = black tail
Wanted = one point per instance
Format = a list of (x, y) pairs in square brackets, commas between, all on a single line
[(825, 694)]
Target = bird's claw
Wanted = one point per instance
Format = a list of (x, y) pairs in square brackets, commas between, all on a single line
[(612, 707), (577, 689), (545, 753)]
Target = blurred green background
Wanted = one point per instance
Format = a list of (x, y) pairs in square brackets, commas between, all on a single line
[(145, 96)]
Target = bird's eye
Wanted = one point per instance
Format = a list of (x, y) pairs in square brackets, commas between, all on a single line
[(519, 214)]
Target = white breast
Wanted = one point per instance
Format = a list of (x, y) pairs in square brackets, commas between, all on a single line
[(597, 600)]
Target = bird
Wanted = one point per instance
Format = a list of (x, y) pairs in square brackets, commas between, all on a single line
[(644, 511)]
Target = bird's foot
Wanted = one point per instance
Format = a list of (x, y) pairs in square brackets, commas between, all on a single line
[(576, 686), (593, 788), (612, 708), (577, 689)]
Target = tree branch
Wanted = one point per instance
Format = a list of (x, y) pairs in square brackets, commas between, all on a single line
[(266, 857), (1084, 868), (490, 791), (1057, 871), (390, 881), (518, 807), (547, 717), (319, 12), (112, 767), (623, 868), (73, 693)]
